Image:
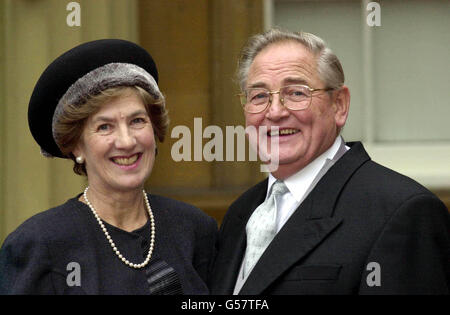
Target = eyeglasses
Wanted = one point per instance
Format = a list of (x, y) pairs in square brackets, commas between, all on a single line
[(293, 97)]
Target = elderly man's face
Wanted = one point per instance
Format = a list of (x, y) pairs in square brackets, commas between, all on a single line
[(310, 132)]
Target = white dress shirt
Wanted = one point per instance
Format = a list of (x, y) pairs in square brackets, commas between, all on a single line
[(300, 185)]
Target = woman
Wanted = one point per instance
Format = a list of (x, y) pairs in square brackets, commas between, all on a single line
[(99, 104)]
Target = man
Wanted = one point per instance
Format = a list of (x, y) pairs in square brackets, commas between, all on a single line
[(328, 220)]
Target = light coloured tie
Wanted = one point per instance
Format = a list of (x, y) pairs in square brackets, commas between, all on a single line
[(262, 227)]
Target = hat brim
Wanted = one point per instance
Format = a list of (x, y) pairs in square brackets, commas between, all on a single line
[(64, 71)]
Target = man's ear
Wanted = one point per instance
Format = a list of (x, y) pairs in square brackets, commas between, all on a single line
[(341, 105)]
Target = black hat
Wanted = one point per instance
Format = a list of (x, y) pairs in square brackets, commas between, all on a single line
[(86, 70)]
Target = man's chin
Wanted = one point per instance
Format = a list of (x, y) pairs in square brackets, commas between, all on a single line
[(286, 159), (288, 166)]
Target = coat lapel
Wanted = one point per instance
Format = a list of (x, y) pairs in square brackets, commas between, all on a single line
[(310, 224), (280, 255), (229, 261)]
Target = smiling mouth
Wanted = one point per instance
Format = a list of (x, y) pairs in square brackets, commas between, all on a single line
[(282, 132), (126, 161)]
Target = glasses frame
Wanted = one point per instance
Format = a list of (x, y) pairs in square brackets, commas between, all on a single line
[(243, 96)]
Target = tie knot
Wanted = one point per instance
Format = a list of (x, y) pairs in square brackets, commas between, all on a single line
[(279, 188)]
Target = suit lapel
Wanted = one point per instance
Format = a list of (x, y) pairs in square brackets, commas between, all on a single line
[(229, 261), (310, 224), (280, 254)]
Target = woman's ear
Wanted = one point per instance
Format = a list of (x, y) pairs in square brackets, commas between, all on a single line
[(78, 153)]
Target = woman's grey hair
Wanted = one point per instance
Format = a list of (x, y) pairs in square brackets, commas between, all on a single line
[(329, 67)]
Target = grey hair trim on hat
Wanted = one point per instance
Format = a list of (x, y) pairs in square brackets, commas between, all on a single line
[(102, 78), (46, 154)]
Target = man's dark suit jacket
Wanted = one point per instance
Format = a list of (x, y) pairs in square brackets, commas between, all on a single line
[(364, 229)]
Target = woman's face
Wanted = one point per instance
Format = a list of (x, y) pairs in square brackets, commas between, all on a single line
[(118, 145)]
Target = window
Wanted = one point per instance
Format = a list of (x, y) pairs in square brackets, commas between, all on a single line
[(397, 74)]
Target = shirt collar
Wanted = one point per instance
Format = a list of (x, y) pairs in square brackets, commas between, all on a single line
[(299, 183)]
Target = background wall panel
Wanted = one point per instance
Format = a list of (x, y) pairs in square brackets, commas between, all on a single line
[(196, 45), (33, 33), (396, 73)]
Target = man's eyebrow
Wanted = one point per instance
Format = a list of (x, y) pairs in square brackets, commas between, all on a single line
[(295, 80), (257, 85), (286, 81)]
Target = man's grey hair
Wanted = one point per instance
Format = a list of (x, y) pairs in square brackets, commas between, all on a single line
[(329, 67)]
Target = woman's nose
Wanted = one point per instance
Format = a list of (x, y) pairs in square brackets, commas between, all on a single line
[(125, 138)]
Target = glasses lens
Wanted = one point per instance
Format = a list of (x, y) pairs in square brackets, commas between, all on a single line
[(257, 100), (296, 96)]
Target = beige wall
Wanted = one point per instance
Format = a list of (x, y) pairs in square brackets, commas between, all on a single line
[(397, 74), (195, 44), (32, 34), (2, 120)]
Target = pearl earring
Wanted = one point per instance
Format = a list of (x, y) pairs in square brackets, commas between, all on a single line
[(79, 159)]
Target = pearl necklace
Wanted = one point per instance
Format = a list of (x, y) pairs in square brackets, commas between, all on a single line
[(111, 242)]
